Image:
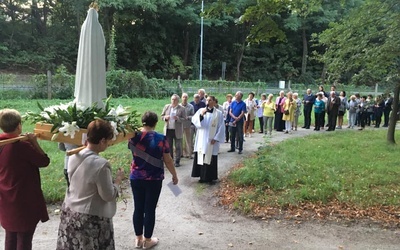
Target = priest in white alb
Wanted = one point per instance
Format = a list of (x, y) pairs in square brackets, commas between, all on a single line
[(209, 122)]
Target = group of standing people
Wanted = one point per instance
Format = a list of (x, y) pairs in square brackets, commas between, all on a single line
[(197, 127), (282, 114), (361, 111), (89, 205)]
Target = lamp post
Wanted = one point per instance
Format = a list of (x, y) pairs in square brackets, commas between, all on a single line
[(201, 42)]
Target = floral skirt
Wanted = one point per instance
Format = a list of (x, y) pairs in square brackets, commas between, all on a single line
[(84, 231)]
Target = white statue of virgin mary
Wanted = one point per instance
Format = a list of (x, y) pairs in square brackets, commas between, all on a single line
[(90, 81)]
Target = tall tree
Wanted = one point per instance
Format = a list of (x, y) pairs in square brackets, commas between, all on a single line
[(366, 45)]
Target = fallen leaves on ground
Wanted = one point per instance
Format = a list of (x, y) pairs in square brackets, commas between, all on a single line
[(387, 216)]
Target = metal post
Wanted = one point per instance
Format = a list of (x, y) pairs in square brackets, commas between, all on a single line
[(49, 84), (201, 42)]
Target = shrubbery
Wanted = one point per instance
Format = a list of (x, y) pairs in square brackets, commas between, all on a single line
[(134, 84)]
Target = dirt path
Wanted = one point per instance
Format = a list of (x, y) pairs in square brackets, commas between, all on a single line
[(193, 221)]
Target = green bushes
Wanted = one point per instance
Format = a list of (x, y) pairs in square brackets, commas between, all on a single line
[(134, 84), (121, 83)]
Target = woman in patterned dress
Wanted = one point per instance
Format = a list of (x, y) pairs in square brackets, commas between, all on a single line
[(90, 201)]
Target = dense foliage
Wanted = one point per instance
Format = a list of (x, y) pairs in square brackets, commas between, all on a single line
[(259, 40)]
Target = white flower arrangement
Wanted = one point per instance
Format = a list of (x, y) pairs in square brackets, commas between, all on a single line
[(70, 117)]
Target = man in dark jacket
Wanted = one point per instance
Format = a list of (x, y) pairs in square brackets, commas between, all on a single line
[(387, 109), (333, 110), (308, 102)]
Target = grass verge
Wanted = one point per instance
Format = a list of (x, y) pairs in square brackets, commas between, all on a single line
[(349, 174), (53, 182)]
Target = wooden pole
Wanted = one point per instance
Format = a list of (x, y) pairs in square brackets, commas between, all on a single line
[(75, 150), (12, 140)]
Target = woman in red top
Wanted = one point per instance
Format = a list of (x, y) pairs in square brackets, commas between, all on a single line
[(22, 203)]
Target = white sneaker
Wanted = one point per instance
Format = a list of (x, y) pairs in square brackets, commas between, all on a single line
[(150, 244)]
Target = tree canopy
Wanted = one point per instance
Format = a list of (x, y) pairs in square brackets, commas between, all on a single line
[(258, 40), (365, 48)]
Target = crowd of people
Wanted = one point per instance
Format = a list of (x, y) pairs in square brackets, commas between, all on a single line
[(193, 130), (324, 110)]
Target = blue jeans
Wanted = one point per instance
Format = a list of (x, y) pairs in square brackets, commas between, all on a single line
[(145, 197), (238, 130)]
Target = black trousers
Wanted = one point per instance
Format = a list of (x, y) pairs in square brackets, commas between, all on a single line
[(319, 117), (307, 115), (261, 120), (332, 117), (363, 119), (386, 116), (378, 119), (237, 131), (226, 133), (279, 123)]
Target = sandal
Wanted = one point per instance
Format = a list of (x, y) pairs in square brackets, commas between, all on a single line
[(138, 243), (151, 243)]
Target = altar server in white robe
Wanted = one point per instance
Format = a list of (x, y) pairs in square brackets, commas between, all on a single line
[(209, 122)]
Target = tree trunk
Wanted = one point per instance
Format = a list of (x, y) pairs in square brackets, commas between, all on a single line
[(186, 41), (305, 53), (323, 74), (45, 16), (239, 62), (393, 116)]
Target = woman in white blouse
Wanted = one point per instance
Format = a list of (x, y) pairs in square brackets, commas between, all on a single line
[(251, 106)]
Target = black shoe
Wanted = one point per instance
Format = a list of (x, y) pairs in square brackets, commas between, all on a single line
[(177, 165), (240, 152), (303, 127), (307, 127), (231, 150), (315, 129)]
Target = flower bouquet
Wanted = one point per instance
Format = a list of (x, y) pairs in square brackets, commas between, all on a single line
[(68, 122)]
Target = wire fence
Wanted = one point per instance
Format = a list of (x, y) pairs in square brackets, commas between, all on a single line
[(25, 86)]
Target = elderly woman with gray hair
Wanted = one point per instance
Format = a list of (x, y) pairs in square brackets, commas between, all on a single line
[(297, 113), (289, 108)]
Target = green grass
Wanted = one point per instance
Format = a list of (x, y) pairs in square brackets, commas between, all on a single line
[(352, 167), (53, 182)]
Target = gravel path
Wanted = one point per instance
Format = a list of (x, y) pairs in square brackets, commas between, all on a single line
[(194, 221)]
